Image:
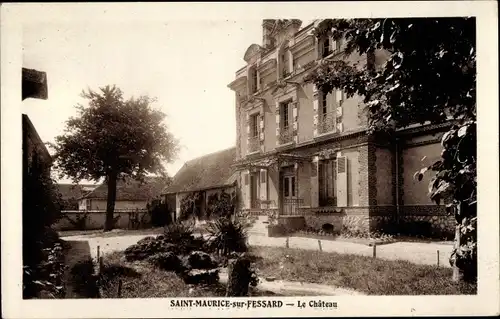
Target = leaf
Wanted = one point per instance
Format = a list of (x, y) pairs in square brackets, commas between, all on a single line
[(462, 131), (445, 138)]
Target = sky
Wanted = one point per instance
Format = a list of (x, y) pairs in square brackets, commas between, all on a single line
[(186, 65)]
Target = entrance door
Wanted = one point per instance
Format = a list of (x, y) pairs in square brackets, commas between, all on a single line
[(254, 183), (289, 195)]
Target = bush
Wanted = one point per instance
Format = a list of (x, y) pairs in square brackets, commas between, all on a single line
[(178, 238), (178, 232), (147, 247), (160, 215), (166, 261), (227, 235), (201, 260)]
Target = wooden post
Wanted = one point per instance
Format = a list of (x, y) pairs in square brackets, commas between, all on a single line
[(287, 244), (100, 264), (119, 288), (374, 250), (438, 257), (98, 252), (319, 244)]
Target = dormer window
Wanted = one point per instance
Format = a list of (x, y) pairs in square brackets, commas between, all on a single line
[(252, 80), (285, 64)]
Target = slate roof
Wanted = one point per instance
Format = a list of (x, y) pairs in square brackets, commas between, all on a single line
[(132, 190), (209, 171)]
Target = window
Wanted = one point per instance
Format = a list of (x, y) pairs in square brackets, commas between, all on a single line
[(253, 83), (327, 182), (324, 102), (284, 114), (326, 49), (87, 204), (254, 125), (285, 61)]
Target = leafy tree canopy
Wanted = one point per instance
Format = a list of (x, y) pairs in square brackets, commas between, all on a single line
[(114, 135), (116, 139)]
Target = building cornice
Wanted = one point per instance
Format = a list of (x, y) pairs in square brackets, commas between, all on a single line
[(238, 83)]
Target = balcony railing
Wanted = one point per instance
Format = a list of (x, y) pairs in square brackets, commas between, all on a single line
[(253, 144), (326, 122), (291, 206), (286, 135)]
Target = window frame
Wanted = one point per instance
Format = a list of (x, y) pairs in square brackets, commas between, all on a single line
[(284, 113), (327, 182)]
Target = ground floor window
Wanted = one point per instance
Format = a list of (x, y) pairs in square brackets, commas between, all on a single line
[(327, 182)]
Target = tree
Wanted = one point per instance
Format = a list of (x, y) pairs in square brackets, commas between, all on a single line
[(428, 76), (113, 138)]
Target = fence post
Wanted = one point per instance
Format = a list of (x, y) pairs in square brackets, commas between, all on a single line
[(119, 288), (100, 265), (319, 244), (98, 252), (374, 250), (438, 257)]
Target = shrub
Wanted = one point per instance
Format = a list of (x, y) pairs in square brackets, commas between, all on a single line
[(221, 205), (227, 235), (148, 247), (178, 232), (191, 206), (166, 261), (201, 260), (160, 215)]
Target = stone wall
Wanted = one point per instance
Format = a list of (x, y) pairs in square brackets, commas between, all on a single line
[(96, 220)]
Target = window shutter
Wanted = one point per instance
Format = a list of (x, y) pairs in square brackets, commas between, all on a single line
[(342, 181), (263, 184), (246, 190), (334, 45), (339, 96)]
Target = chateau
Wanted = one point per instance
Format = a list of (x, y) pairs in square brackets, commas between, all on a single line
[(307, 156)]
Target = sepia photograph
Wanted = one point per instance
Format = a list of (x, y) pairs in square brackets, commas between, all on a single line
[(250, 163)]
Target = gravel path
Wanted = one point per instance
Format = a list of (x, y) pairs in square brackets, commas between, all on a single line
[(294, 287), (418, 253)]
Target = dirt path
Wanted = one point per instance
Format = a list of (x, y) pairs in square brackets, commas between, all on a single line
[(77, 274), (283, 287)]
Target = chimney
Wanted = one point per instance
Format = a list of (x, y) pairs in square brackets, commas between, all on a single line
[(267, 27)]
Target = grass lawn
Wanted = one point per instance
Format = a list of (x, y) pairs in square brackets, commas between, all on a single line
[(365, 274), (150, 282)]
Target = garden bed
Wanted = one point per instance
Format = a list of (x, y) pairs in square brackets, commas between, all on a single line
[(146, 281), (365, 274)]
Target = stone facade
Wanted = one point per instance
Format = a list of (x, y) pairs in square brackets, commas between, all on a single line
[(301, 128)]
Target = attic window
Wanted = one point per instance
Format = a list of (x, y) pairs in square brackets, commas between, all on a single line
[(253, 82)]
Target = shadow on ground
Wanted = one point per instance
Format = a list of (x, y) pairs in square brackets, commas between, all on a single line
[(79, 276)]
